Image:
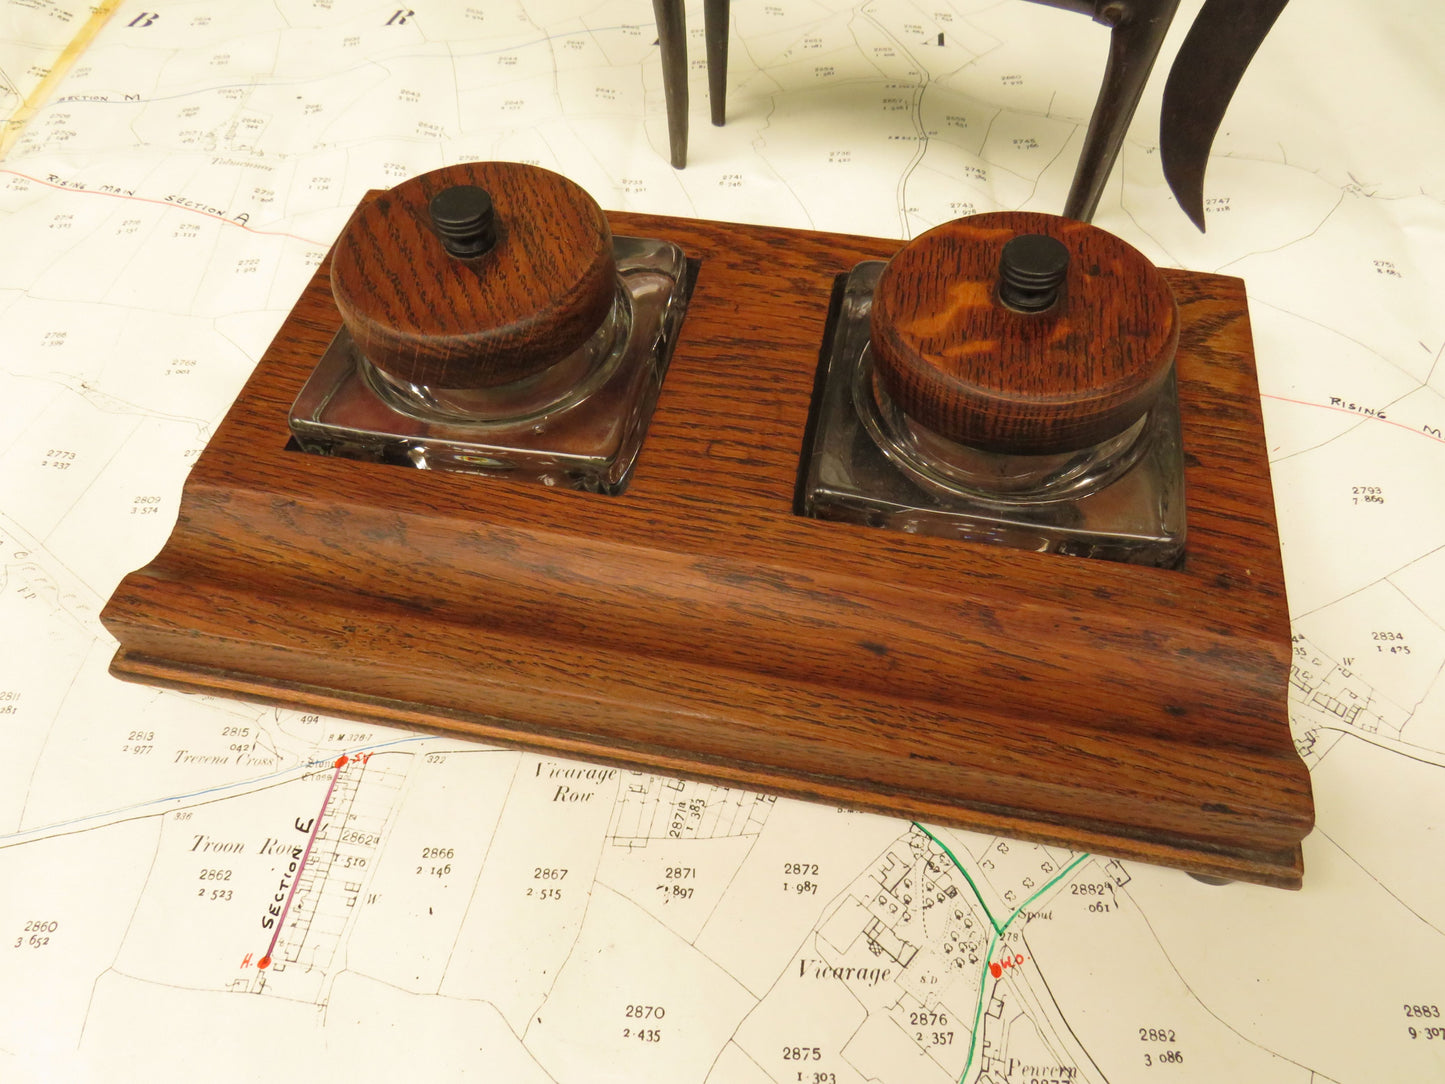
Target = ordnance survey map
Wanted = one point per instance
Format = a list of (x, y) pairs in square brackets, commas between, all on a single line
[(199, 889)]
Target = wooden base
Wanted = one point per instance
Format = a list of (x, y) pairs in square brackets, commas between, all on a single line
[(695, 626)]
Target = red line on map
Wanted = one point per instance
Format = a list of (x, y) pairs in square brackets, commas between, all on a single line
[(1354, 414), (165, 203), (265, 961)]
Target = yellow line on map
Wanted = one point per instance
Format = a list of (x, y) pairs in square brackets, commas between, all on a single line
[(99, 16)]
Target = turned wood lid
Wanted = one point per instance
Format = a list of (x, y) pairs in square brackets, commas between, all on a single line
[(535, 294), (965, 364)]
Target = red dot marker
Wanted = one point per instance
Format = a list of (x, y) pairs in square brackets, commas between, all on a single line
[(264, 962), (341, 762)]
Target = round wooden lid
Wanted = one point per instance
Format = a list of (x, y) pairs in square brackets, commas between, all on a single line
[(965, 364), (515, 307)]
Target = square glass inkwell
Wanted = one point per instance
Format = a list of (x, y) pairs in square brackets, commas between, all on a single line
[(493, 325), (1005, 378)]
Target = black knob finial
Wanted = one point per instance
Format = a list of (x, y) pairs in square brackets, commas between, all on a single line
[(464, 219), (1031, 270)]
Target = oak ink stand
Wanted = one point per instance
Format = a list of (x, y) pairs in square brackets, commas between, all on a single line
[(695, 625)]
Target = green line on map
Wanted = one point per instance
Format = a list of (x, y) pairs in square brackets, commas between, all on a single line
[(954, 858), (998, 931)]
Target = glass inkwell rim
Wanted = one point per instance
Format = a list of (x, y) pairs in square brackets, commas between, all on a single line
[(948, 468), (530, 399)]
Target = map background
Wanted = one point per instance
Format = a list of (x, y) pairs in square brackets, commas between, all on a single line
[(163, 207)]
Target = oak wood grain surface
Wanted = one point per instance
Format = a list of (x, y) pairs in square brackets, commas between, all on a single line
[(694, 625), (964, 365), (426, 317)]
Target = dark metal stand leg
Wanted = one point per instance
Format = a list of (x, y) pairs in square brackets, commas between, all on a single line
[(716, 21), (1139, 27), (1206, 72), (672, 41)]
